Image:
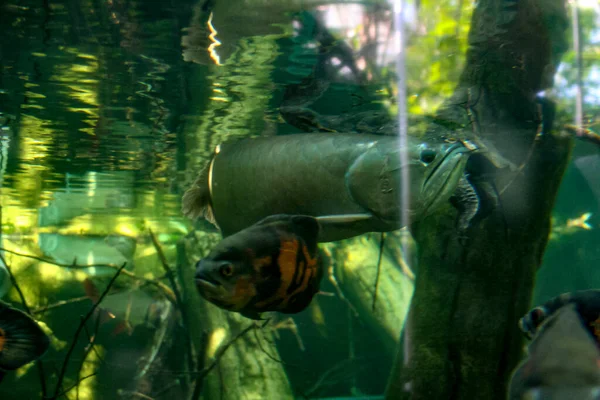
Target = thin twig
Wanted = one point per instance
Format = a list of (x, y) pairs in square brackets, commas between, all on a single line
[(91, 311), (332, 376), (122, 393), (39, 365), (154, 282), (55, 371), (379, 259), (15, 284), (168, 387), (258, 341), (76, 384), (90, 347), (73, 265), (290, 324), (92, 338), (264, 351), (335, 283), (178, 297), (42, 309), (202, 374)]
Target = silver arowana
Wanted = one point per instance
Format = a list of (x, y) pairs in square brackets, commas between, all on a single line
[(349, 182)]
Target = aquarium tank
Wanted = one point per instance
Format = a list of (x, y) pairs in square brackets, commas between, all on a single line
[(299, 199)]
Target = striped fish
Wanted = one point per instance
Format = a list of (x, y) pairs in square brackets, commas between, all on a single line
[(587, 305), (562, 362), (21, 339), (273, 265)]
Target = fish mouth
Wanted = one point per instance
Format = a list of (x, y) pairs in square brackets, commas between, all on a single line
[(442, 181), (210, 289), (455, 151), (206, 282)]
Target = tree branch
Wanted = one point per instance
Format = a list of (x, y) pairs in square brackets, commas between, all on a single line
[(84, 320)]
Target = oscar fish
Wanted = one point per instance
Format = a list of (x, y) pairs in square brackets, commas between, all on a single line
[(586, 303), (21, 339), (350, 182), (273, 265)]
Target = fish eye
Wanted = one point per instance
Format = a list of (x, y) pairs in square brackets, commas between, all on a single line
[(427, 156), (226, 270), (537, 315)]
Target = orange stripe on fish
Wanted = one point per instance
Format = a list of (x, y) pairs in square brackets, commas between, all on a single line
[(311, 261), (288, 253), (300, 289), (309, 273), (259, 263), (243, 292)]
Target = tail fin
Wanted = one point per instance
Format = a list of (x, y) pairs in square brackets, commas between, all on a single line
[(196, 200), (21, 338)]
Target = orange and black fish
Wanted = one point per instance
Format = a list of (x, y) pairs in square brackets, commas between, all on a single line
[(587, 305), (21, 339), (562, 363), (273, 265)]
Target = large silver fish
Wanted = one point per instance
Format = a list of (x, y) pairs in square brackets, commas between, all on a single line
[(349, 182)]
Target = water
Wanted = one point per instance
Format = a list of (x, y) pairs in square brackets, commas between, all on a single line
[(109, 110)]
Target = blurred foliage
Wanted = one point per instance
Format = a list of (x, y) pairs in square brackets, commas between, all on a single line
[(435, 52), (566, 79)]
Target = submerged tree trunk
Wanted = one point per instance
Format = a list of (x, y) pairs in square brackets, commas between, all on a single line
[(462, 335)]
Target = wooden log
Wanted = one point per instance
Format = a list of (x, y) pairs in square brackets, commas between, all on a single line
[(462, 333), (248, 368)]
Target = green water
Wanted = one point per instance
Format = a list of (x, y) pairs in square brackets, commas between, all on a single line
[(109, 109)]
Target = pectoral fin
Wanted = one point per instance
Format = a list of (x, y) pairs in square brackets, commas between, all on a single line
[(342, 218)]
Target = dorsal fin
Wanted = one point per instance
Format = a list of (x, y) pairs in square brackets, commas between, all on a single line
[(304, 225), (196, 201)]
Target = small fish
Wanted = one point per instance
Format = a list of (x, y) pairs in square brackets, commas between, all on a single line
[(562, 364), (581, 222), (21, 339), (273, 265)]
